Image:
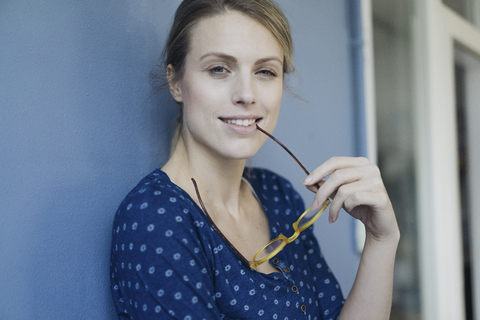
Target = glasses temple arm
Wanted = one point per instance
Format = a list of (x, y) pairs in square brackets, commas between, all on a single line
[(214, 225), (286, 149)]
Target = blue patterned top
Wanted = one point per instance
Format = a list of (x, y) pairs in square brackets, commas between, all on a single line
[(168, 262)]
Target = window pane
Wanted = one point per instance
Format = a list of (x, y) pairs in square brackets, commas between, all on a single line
[(396, 148), (469, 9), (467, 80)]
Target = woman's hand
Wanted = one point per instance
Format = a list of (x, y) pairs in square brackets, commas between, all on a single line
[(356, 186)]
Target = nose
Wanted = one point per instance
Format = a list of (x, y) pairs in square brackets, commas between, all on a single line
[(244, 90)]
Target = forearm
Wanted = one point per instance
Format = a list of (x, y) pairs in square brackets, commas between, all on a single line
[(371, 294)]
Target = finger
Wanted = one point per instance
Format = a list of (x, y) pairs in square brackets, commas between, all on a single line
[(377, 200), (333, 164), (379, 219), (344, 193), (370, 183), (338, 179), (368, 174), (314, 187)]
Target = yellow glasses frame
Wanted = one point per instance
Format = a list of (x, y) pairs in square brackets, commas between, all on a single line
[(285, 240)]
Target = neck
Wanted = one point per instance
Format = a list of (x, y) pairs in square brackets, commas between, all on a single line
[(218, 179)]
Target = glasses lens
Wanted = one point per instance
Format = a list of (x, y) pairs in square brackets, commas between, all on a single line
[(311, 214), (269, 249)]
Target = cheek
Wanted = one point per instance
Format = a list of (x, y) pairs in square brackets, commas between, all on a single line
[(274, 100), (200, 107), (199, 96)]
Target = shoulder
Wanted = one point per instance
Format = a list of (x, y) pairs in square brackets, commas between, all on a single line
[(261, 176), (156, 202), (274, 191), (160, 247), (158, 217), (156, 188)]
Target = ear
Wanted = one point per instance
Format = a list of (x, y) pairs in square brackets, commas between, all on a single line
[(174, 87)]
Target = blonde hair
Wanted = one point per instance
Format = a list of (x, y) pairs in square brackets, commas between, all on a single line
[(190, 12)]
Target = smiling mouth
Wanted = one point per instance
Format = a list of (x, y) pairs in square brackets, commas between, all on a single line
[(241, 122)]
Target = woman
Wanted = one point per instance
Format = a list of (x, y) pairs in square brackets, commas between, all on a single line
[(225, 64)]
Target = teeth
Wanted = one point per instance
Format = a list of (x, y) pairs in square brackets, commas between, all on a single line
[(239, 122)]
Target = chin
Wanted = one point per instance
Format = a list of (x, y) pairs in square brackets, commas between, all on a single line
[(239, 152), (239, 155)]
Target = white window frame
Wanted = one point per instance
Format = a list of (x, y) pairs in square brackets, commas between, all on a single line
[(437, 30)]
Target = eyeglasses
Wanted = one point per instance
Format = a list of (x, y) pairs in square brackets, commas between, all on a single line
[(276, 245)]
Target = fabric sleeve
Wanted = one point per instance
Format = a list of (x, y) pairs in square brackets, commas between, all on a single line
[(159, 264)]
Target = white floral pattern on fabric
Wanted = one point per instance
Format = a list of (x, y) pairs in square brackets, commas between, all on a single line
[(168, 262)]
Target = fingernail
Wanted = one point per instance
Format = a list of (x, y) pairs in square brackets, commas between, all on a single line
[(315, 205), (307, 180), (330, 219)]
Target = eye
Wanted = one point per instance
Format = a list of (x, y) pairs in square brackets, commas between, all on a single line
[(267, 73), (218, 70)]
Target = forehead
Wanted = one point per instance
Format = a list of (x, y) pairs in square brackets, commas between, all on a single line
[(235, 34)]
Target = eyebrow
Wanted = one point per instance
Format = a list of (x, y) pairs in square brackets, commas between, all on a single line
[(220, 55), (233, 59)]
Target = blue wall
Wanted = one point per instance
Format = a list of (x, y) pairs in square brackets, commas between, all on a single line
[(78, 129)]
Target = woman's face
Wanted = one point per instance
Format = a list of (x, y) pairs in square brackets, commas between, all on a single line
[(233, 79)]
